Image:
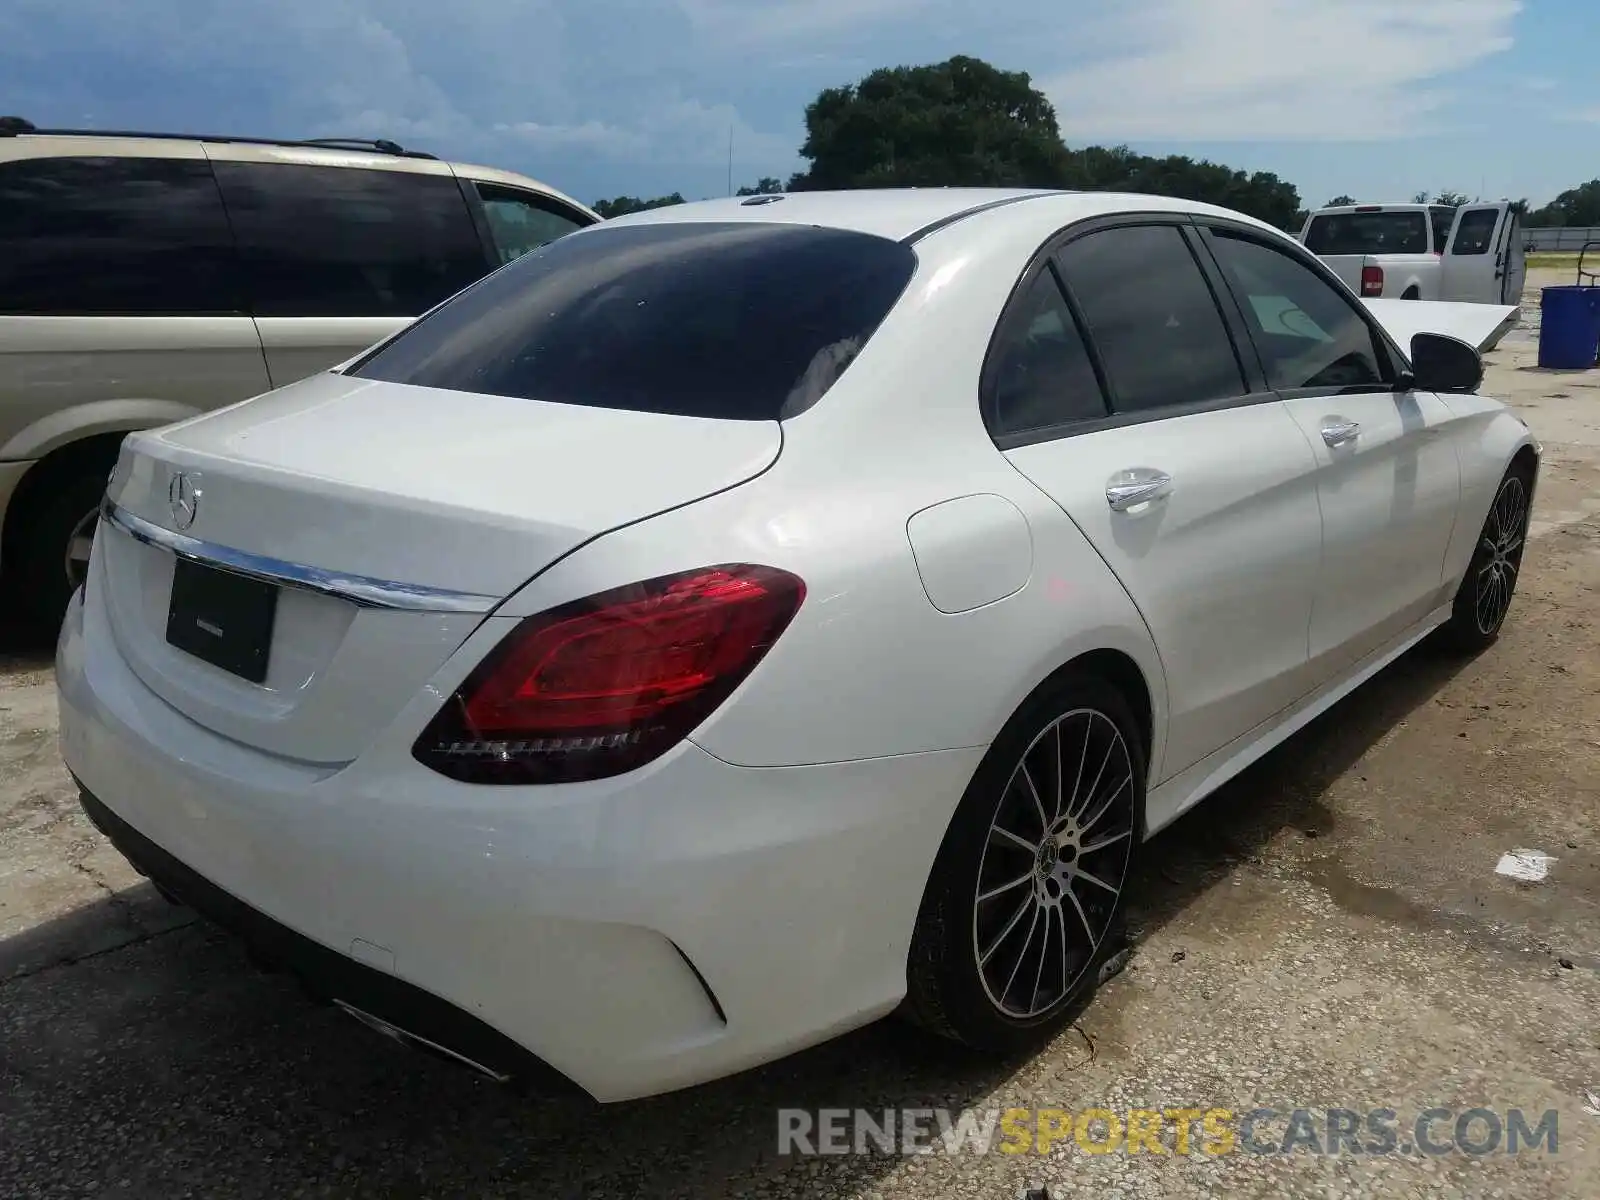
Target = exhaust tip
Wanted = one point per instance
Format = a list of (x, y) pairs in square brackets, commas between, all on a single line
[(414, 1041)]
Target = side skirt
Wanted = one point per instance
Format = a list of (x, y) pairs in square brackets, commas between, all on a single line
[(1182, 792)]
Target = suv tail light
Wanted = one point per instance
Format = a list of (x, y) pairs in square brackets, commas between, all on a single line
[(603, 685), (1372, 281)]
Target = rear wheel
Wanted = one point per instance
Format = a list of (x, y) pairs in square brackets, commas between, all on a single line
[(1024, 902), (1484, 598), (47, 547)]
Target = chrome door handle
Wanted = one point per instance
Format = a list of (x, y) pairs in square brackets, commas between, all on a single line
[(1136, 487), (1337, 433)]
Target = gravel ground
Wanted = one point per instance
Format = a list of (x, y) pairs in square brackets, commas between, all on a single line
[(1329, 931)]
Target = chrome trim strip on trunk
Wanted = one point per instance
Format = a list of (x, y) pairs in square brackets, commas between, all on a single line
[(361, 590)]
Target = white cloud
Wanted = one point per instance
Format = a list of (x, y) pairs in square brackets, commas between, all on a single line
[(1296, 70), (640, 95), (668, 127)]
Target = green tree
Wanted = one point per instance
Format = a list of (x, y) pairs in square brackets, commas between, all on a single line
[(765, 186), (1261, 195), (1576, 206), (1422, 198), (1452, 199), (1341, 202), (631, 204), (961, 122)]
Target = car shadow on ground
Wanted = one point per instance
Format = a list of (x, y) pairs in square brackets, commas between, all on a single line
[(1285, 790), (169, 1063)]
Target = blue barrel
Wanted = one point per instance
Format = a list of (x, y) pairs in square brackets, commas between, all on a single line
[(1569, 327)]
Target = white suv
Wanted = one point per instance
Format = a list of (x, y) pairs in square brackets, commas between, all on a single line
[(146, 277)]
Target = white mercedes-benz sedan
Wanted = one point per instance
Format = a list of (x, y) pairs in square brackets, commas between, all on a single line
[(732, 623)]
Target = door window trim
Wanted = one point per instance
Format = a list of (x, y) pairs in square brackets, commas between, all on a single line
[(480, 223), (1183, 222), (1398, 365)]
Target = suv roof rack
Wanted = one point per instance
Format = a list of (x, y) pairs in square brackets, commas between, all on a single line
[(12, 126)]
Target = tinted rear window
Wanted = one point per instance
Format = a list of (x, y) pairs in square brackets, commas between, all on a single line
[(740, 321), (1369, 233), (1442, 219), (114, 237), (347, 241)]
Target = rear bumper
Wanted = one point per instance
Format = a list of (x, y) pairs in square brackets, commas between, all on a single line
[(637, 935), (407, 1011)]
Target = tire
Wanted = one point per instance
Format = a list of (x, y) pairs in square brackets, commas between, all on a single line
[(58, 507), (1484, 597), (995, 876), (1412, 294)]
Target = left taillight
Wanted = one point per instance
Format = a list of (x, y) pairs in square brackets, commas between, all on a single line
[(604, 685)]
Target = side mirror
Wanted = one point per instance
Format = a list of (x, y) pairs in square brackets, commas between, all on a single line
[(1444, 364)]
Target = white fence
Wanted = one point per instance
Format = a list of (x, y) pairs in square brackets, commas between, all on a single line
[(1562, 238)]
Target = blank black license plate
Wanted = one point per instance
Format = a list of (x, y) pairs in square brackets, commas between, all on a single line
[(223, 618)]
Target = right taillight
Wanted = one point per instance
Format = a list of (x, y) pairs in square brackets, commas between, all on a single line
[(1372, 281), (603, 685)]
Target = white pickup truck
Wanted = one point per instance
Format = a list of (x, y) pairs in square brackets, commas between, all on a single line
[(1471, 254)]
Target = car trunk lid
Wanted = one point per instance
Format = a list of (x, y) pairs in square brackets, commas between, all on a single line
[(397, 515)]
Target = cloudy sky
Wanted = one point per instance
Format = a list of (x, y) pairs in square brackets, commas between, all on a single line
[(1379, 98)]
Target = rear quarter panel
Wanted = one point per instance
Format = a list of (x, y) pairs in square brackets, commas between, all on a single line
[(870, 667)]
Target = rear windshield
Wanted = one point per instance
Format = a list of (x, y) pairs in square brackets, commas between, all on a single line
[(1442, 219), (742, 321), (1369, 233)]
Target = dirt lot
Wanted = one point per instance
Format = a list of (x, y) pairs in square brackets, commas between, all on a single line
[(1328, 931)]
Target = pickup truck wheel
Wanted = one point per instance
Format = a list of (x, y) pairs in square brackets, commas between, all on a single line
[(1412, 294)]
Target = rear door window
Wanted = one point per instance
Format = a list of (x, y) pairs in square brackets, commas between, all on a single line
[(520, 221), (1152, 317), (1402, 232), (114, 237), (740, 320), (349, 242)]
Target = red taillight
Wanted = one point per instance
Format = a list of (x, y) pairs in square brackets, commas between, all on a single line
[(1372, 281), (605, 684)]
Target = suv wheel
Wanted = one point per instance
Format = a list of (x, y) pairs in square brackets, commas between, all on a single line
[(47, 552)]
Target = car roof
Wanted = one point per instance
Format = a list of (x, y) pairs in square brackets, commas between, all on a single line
[(52, 144), (887, 212), (911, 213)]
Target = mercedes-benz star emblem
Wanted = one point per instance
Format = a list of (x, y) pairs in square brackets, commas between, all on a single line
[(183, 494)]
